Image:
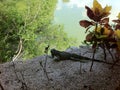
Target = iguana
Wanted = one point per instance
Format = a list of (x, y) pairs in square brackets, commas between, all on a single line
[(62, 55)]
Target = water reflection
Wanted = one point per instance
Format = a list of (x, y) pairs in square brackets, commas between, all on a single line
[(70, 12)]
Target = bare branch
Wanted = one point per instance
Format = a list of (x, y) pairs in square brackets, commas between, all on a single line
[(19, 50)]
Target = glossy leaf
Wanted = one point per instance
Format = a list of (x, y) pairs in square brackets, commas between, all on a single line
[(106, 31), (116, 21), (85, 23), (99, 29), (108, 26), (97, 12), (107, 9), (97, 8), (118, 44), (105, 14), (117, 33), (90, 13), (104, 21), (118, 16), (117, 26), (89, 37)]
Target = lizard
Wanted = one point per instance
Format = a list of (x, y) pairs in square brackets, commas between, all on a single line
[(62, 55)]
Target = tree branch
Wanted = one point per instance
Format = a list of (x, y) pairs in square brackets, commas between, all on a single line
[(19, 50)]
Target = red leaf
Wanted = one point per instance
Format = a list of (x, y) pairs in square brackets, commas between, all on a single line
[(105, 21), (108, 26), (117, 27), (116, 21), (104, 14), (85, 23), (90, 13), (89, 37)]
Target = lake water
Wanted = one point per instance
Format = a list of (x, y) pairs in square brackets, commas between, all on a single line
[(70, 17), (70, 13)]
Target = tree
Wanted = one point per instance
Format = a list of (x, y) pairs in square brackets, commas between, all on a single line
[(27, 27)]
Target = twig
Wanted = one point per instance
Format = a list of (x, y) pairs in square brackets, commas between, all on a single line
[(15, 71), (41, 64), (46, 52), (19, 50), (104, 52), (45, 62), (92, 59), (44, 69), (96, 25), (2, 88), (24, 85), (111, 54)]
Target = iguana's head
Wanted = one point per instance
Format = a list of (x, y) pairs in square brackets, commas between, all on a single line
[(54, 52)]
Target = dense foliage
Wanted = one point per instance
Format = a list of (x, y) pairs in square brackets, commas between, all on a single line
[(26, 28)]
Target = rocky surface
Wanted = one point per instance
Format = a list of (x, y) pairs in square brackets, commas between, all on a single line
[(63, 75)]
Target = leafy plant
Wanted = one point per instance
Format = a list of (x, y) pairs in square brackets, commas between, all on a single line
[(26, 28), (103, 34)]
